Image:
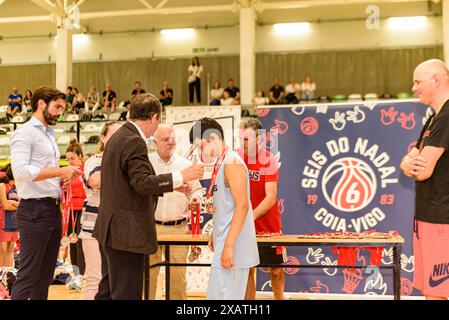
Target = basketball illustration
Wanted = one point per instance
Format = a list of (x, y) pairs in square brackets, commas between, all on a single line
[(349, 184)]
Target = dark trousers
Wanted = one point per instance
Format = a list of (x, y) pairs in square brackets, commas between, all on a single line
[(166, 102), (76, 249), (77, 107), (195, 86), (291, 98), (39, 224), (122, 275)]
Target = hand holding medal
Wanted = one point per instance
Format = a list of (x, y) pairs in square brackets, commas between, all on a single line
[(209, 206), (195, 228), (68, 213)]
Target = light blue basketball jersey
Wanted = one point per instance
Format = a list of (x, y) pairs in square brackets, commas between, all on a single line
[(246, 254)]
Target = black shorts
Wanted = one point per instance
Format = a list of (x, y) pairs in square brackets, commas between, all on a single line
[(267, 255)]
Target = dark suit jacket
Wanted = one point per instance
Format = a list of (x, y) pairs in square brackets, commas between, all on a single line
[(129, 191)]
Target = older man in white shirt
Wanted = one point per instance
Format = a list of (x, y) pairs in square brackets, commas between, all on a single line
[(172, 211)]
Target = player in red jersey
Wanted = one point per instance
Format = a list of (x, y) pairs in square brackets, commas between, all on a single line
[(263, 176)]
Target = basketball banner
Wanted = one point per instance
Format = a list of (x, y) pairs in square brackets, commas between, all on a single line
[(339, 172)]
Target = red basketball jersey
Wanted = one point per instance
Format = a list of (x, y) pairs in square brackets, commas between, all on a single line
[(263, 168)]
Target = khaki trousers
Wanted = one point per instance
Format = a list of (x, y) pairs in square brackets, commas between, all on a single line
[(178, 254), (92, 274)]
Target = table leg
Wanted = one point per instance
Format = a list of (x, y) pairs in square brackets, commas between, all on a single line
[(167, 272), (397, 272)]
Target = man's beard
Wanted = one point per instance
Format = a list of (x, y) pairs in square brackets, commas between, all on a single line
[(50, 119)]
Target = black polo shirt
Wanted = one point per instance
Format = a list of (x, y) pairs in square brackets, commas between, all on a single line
[(277, 91), (432, 195), (111, 96), (162, 93), (135, 92), (232, 91)]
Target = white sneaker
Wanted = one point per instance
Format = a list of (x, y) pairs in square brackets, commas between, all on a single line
[(79, 280), (75, 283)]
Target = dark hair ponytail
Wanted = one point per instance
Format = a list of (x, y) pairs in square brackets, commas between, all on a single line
[(76, 148)]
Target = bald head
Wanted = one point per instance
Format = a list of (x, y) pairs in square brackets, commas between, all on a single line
[(431, 82), (434, 68)]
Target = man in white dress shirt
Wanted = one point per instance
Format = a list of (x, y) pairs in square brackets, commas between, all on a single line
[(39, 180), (172, 212)]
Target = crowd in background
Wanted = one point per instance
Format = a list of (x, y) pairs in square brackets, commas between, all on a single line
[(293, 92), (96, 102)]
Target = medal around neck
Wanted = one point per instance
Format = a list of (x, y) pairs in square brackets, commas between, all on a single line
[(73, 238), (210, 208), (65, 241)]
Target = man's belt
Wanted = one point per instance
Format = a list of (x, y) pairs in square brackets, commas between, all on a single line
[(54, 201), (171, 223)]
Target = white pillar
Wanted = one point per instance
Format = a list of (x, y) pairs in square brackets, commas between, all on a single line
[(64, 58), (446, 31), (247, 55)]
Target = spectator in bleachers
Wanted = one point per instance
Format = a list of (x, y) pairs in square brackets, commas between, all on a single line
[(69, 98), (277, 92), (194, 79), (216, 93), (14, 102), (260, 99), (27, 100), (166, 95), (137, 90), (292, 91), (227, 100), (127, 104), (109, 99), (93, 101), (234, 92), (78, 101), (308, 88)]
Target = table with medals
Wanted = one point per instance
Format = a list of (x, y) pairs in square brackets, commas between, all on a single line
[(343, 244)]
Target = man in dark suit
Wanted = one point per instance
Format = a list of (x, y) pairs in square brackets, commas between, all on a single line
[(125, 227)]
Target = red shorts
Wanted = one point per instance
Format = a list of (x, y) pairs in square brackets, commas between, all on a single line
[(6, 236), (431, 251)]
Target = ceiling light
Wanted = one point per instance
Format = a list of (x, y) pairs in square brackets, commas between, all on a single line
[(406, 23), (178, 34), (291, 28), (80, 39)]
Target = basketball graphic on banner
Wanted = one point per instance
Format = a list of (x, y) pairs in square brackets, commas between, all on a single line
[(262, 112), (406, 287), (292, 261), (349, 184), (309, 126)]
